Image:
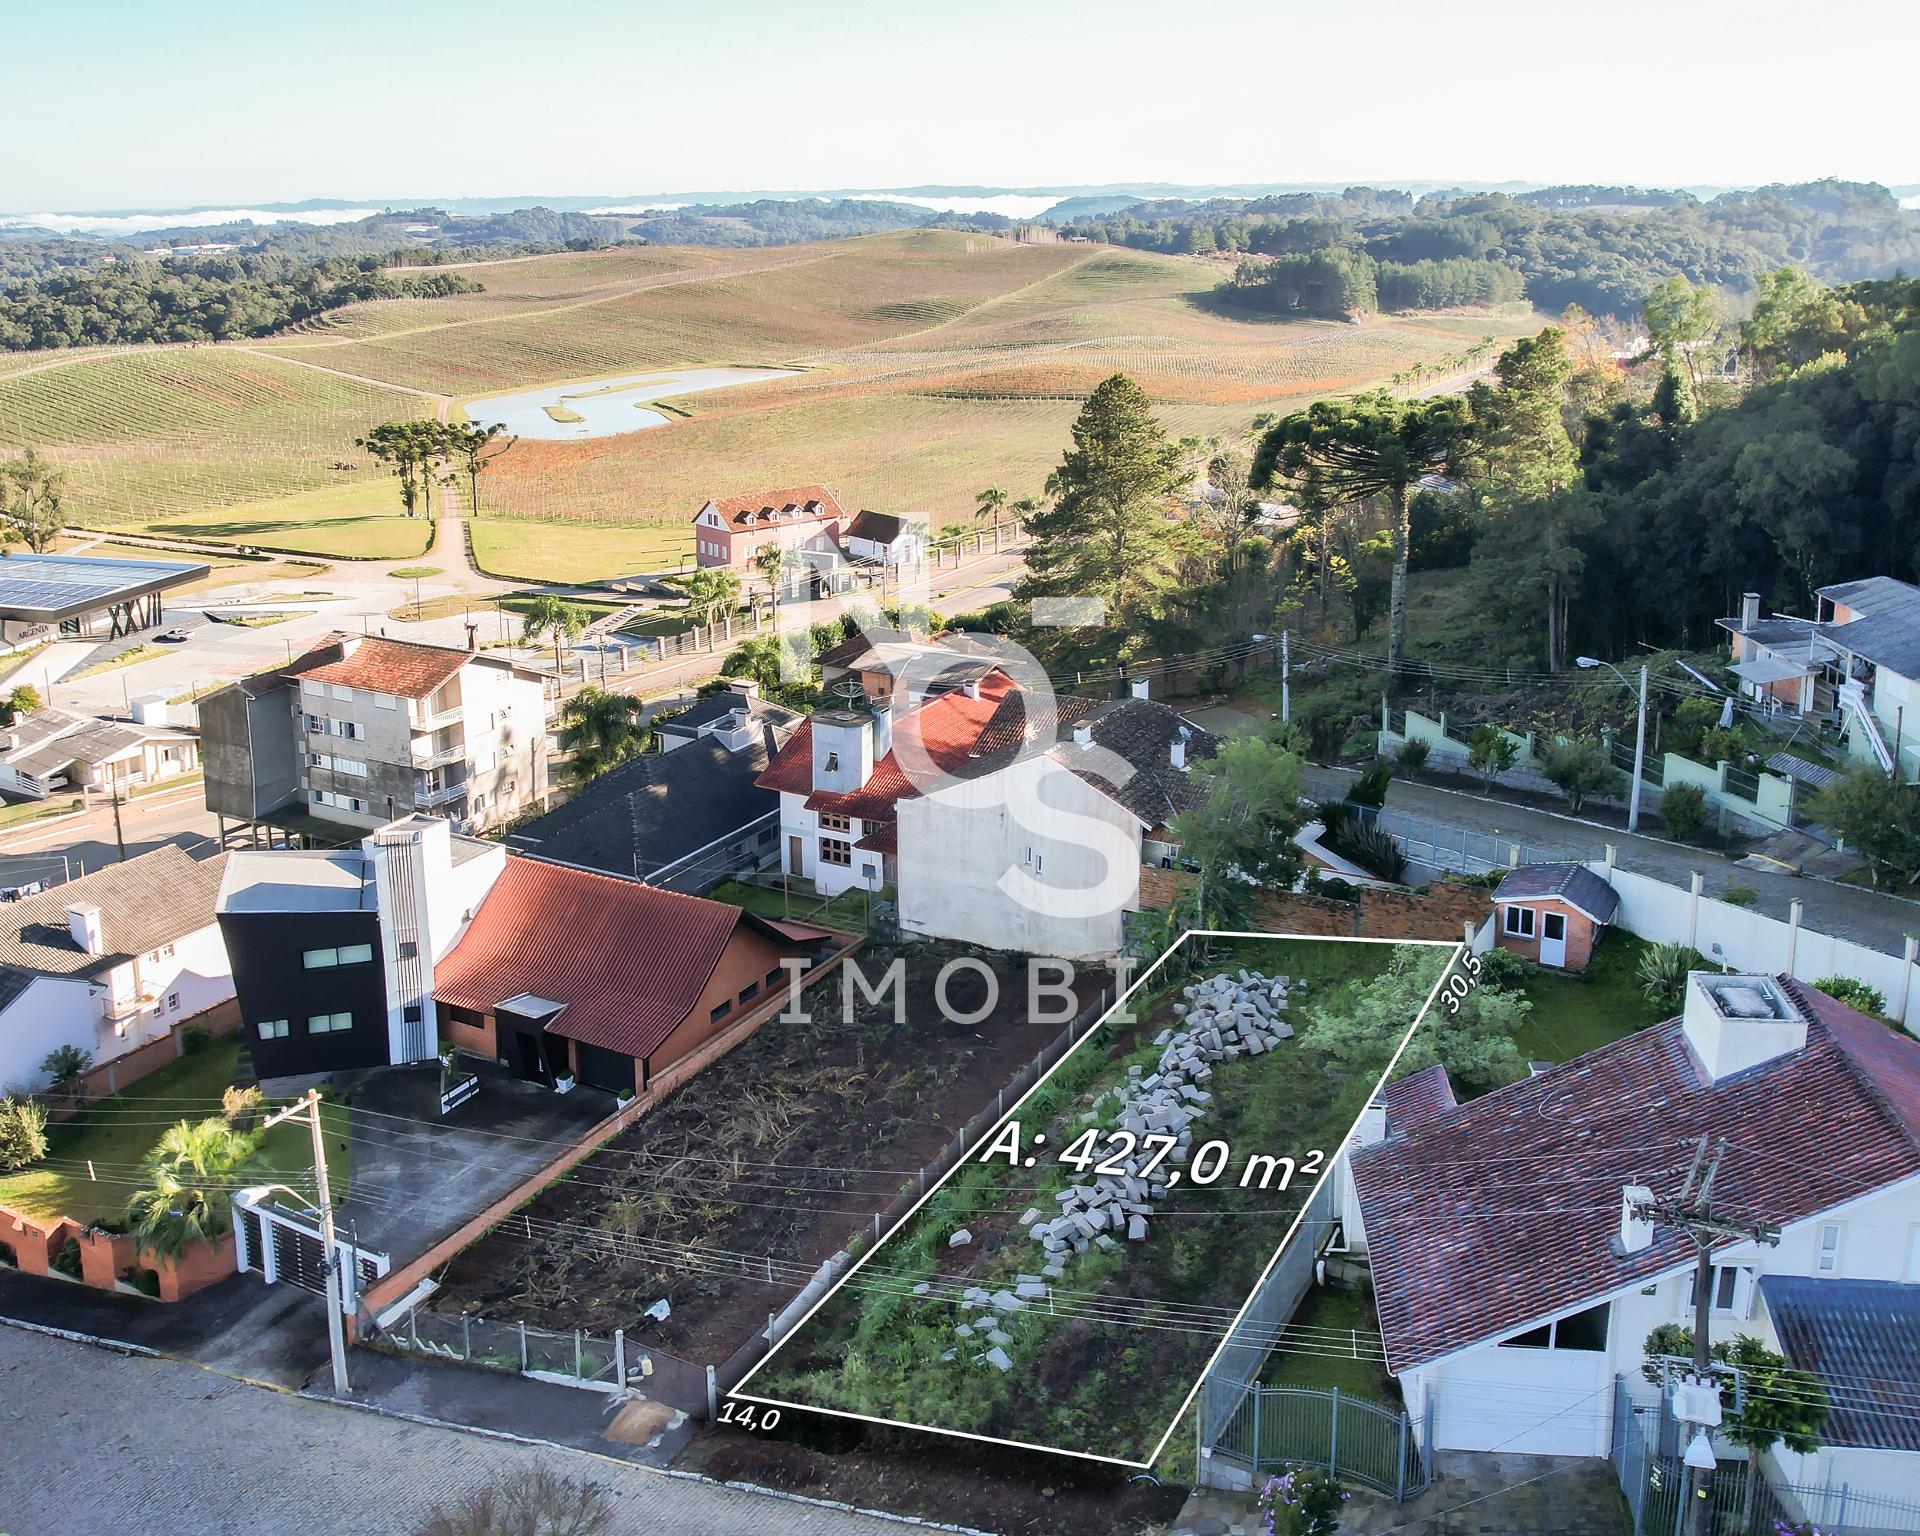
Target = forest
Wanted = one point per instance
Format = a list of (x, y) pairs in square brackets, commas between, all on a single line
[(206, 298), (1602, 248)]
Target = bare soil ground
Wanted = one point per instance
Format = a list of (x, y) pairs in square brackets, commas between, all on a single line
[(766, 1163)]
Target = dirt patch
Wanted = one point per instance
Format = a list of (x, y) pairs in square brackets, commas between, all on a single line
[(728, 1195), (991, 1488)]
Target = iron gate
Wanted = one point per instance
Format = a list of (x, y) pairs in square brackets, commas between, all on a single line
[(286, 1247), (1269, 1427)]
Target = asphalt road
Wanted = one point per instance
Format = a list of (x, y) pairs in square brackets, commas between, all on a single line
[(74, 845), (99, 1441)]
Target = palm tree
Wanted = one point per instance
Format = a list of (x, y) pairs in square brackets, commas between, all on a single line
[(550, 615), (189, 1196), (711, 593), (990, 501), (603, 730)]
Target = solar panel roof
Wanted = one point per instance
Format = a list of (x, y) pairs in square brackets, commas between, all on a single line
[(45, 587)]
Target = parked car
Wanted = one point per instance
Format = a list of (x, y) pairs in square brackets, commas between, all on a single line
[(171, 636)]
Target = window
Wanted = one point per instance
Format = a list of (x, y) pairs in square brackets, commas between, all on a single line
[(173, 1002), (272, 1029), (352, 766), (346, 954), (832, 764), (832, 823), (1732, 1290), (342, 691), (1520, 922), (1036, 861), (408, 949), (778, 974), (836, 850), (750, 991), (329, 1023), (1826, 1259), (410, 1014), (720, 1011), (1584, 1330)]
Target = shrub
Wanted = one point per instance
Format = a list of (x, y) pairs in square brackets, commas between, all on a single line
[(1691, 718), (1663, 974), (1684, 809), (23, 1134), (1579, 770), (1491, 752), (536, 1503), (1335, 889), (1739, 895), (1721, 744), (1371, 787), (1854, 993), (67, 1260), (1412, 756), (1302, 1501), (1503, 970), (240, 1107), (1372, 849), (66, 1066), (195, 1040)]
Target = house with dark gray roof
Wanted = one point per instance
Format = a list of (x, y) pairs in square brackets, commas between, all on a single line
[(1854, 664), (1514, 1276), (1553, 914), (686, 817), (110, 962), (54, 749)]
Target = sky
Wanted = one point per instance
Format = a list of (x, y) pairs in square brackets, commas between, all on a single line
[(133, 104)]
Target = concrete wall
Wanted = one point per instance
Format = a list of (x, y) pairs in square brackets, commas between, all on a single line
[(1750, 941), (50, 1013), (960, 845)]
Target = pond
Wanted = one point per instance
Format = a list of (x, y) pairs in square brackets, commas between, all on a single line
[(603, 407)]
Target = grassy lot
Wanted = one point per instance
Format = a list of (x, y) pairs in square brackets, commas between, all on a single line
[(530, 551), (355, 520), (117, 1133), (126, 658), (1319, 1364), (1574, 1014), (15, 812), (846, 912)]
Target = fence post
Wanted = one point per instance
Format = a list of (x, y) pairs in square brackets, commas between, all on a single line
[(466, 1336), (1400, 1462), (413, 1326), (1254, 1451), (620, 1356), (579, 1364), (1333, 1437), (713, 1395), (523, 1346)]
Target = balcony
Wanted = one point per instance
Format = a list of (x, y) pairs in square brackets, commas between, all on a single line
[(426, 796), (426, 755)]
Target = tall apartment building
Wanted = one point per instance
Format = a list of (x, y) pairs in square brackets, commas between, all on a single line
[(362, 730)]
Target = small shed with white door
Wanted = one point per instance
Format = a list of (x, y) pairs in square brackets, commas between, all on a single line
[(1553, 913)]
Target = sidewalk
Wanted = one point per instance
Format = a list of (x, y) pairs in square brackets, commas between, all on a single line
[(1868, 917)]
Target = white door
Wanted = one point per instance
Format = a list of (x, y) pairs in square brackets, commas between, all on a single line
[(1553, 938)]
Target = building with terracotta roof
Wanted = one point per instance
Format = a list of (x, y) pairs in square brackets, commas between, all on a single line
[(110, 962), (375, 955), (361, 730), (729, 532), (1005, 819), (1514, 1281)]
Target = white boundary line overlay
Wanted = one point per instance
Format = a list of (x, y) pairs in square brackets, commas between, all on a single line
[(1012, 1113)]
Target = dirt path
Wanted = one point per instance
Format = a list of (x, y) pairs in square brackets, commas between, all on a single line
[(443, 402)]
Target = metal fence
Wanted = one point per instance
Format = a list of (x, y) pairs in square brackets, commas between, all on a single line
[(1459, 850), (1268, 1428), (1741, 1502)]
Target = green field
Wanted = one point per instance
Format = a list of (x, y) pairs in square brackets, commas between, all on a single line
[(530, 551), (933, 364)]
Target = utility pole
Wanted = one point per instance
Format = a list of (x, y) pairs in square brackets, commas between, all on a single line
[(1286, 675), (1639, 756), (309, 1108), (1691, 1212), (119, 836)]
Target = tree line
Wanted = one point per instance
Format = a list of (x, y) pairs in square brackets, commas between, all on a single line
[(1337, 282), (211, 298)]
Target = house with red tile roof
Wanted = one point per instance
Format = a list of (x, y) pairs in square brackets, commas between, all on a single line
[(361, 730), (729, 532), (1513, 1279), (1003, 818)]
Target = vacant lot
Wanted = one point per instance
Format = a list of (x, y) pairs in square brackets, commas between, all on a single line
[(1100, 1357), (724, 1198), (530, 551)]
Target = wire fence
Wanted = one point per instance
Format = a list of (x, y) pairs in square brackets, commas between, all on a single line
[(1267, 1428)]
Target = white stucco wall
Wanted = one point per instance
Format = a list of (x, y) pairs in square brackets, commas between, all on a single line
[(866, 872), (50, 1013), (959, 844)]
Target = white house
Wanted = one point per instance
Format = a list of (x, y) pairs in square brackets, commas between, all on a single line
[(54, 749), (1856, 664), (1514, 1282), (882, 537), (996, 829), (109, 962)]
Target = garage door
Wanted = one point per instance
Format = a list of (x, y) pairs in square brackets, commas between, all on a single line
[(1538, 1402), (601, 1068)]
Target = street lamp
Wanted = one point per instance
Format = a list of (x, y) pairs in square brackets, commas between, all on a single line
[(1640, 736)]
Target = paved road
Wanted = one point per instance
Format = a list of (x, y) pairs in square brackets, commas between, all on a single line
[(1867, 917), (97, 1441), (85, 842)]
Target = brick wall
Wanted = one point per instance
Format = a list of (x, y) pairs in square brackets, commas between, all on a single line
[(1441, 911)]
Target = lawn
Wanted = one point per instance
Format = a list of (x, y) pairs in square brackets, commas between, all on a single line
[(14, 812), (846, 912), (1573, 1014), (117, 1133), (531, 551), (353, 520), (1314, 1359)]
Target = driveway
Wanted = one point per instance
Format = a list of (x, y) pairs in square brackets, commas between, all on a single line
[(417, 1177), (98, 1441)]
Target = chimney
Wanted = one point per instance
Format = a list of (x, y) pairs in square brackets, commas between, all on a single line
[(83, 922), (842, 751), (348, 642), (971, 688), (1736, 1021), (1138, 688), (1083, 733), (745, 687), (151, 709), (1636, 1233), (1749, 610), (1177, 750), (882, 728)]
